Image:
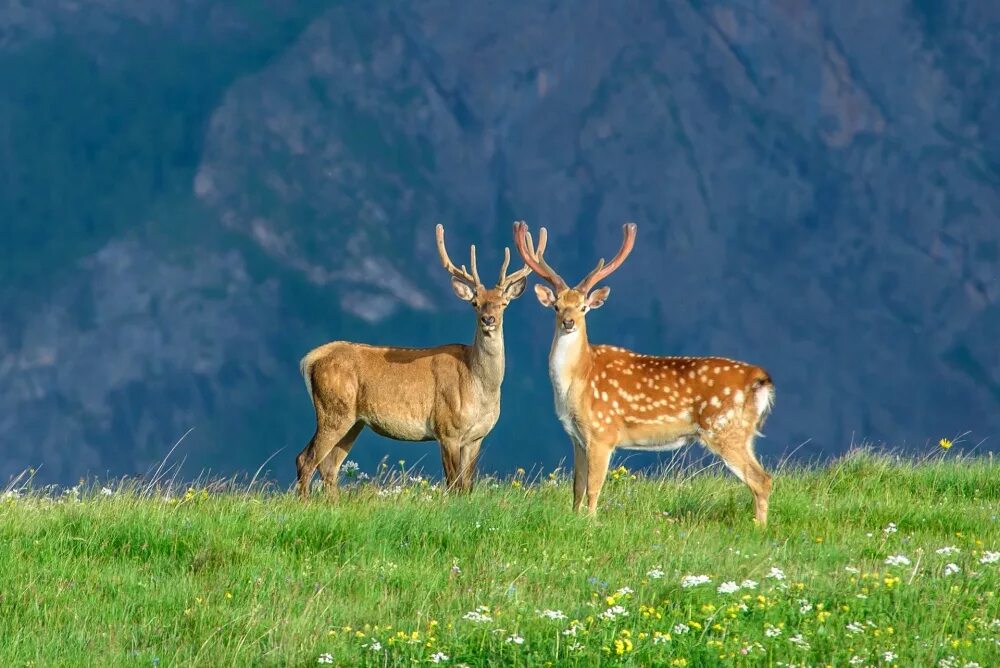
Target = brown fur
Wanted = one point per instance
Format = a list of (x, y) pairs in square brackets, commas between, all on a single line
[(450, 394), (608, 397)]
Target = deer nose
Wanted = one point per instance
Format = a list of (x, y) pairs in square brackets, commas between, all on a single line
[(488, 320), (568, 324)]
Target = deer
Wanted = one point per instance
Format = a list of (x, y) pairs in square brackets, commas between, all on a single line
[(450, 393), (607, 397)]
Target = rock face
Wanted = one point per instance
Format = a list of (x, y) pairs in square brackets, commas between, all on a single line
[(817, 190)]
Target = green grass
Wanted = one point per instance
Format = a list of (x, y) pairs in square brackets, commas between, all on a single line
[(218, 576)]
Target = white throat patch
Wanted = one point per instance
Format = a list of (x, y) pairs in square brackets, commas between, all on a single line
[(564, 349)]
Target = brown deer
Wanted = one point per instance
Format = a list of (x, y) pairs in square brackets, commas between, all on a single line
[(450, 394), (608, 397)]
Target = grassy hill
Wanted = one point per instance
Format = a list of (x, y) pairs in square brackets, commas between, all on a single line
[(869, 561)]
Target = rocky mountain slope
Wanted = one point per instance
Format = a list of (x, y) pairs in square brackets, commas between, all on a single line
[(195, 196)]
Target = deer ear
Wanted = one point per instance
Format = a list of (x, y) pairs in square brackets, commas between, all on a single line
[(545, 295), (597, 298), (516, 289), (462, 289)]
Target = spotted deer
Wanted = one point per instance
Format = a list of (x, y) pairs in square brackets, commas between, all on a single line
[(450, 393), (608, 397)]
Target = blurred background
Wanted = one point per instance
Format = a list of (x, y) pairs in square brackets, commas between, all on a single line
[(195, 193)]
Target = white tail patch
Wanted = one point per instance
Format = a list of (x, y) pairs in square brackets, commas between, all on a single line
[(305, 368), (764, 400)]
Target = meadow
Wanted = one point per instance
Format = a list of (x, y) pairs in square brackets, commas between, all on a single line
[(867, 561)]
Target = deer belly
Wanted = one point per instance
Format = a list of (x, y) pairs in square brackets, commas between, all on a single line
[(400, 429), (655, 446), (402, 416)]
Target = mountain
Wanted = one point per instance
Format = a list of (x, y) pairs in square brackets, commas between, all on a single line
[(192, 195)]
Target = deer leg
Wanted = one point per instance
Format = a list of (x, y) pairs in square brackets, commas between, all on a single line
[(329, 466), (598, 460), (468, 461), (736, 450), (327, 435), (579, 475), (451, 462), (758, 480)]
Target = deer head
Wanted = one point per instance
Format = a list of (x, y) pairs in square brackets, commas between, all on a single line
[(570, 304), (489, 303)]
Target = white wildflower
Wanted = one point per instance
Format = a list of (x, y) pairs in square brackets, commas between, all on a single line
[(624, 591), (728, 588), (689, 581), (852, 570), (855, 627), (748, 584), (439, 657), (949, 549), (614, 612), (948, 662), (855, 660), (890, 528), (456, 569), (374, 646), (799, 641), (951, 569), (681, 629), (574, 626), (776, 573), (350, 469), (889, 657), (897, 560), (480, 615), (990, 558), (325, 658), (106, 491), (655, 574), (772, 631), (552, 614), (515, 639), (804, 606), (574, 647), (972, 664)]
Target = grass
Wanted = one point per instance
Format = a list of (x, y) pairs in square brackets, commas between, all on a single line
[(398, 573)]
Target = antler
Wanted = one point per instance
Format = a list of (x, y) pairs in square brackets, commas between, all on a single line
[(602, 271), (533, 259), (461, 274), (506, 280)]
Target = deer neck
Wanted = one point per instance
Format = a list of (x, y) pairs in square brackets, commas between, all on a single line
[(569, 359), (486, 359)]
